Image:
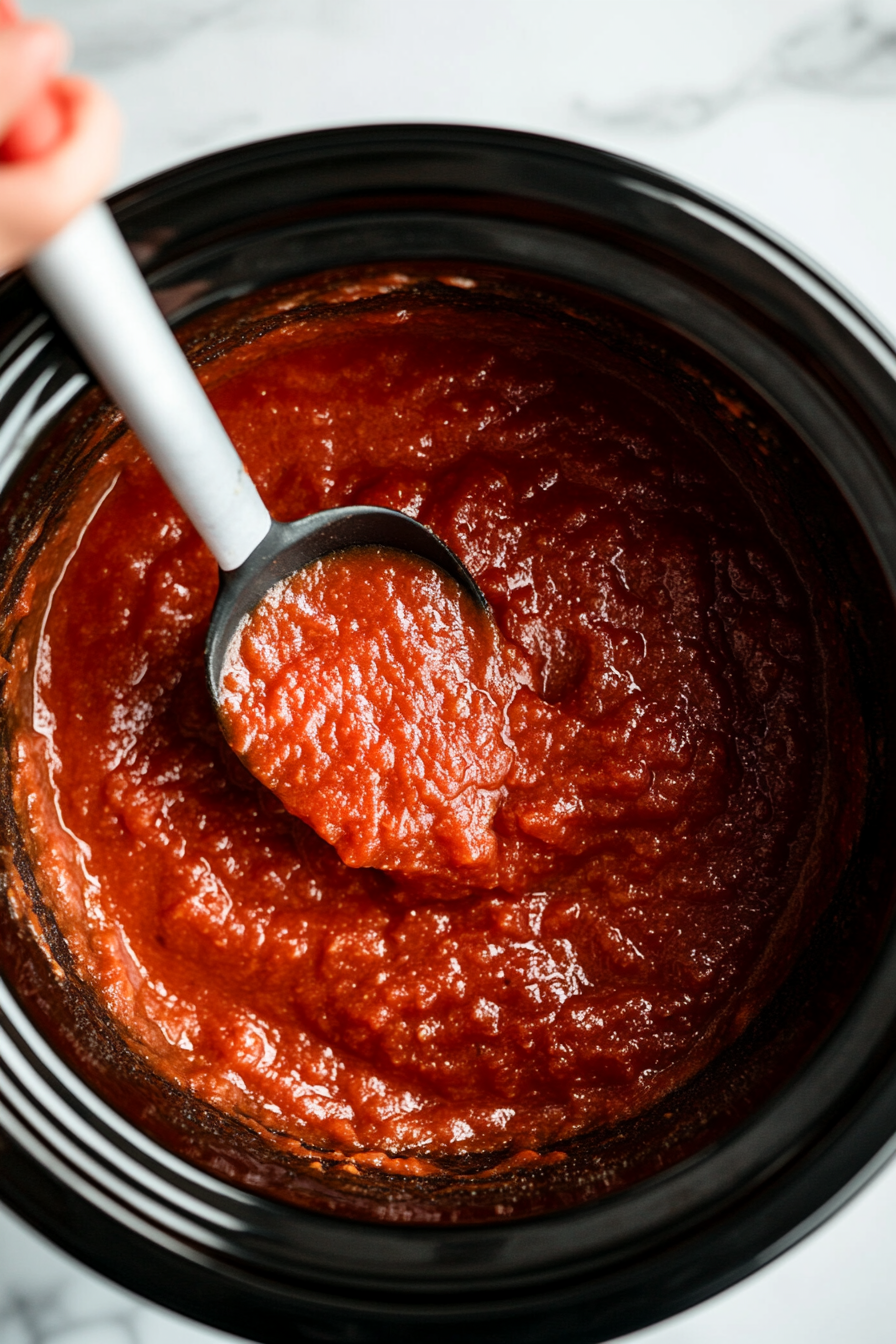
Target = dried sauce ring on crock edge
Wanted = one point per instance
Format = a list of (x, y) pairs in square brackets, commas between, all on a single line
[(167, 1209)]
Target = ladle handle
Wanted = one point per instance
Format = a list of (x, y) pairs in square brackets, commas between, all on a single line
[(89, 278)]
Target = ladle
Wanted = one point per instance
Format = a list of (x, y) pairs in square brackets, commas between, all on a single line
[(89, 279)]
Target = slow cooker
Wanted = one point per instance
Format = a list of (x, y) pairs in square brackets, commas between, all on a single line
[(158, 1192)]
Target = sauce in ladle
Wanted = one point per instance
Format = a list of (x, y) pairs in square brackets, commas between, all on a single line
[(370, 693)]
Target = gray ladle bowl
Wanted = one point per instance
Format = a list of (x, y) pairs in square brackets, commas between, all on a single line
[(288, 547)]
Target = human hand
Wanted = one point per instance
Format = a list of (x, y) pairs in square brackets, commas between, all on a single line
[(59, 136)]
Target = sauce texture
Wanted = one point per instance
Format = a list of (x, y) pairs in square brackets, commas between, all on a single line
[(370, 695), (616, 857)]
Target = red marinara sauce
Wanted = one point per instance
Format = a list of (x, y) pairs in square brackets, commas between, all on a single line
[(371, 695), (636, 755)]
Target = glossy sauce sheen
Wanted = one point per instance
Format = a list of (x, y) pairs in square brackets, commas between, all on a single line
[(619, 821), (371, 696)]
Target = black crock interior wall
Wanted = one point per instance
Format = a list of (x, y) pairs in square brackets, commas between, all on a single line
[(254, 216)]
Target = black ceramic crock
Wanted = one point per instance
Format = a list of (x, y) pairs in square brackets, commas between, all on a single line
[(192, 1235)]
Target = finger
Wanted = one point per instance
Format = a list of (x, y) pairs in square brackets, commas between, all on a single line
[(40, 195), (37, 130), (30, 55)]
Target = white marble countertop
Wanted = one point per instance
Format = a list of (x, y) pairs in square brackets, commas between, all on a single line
[(787, 108)]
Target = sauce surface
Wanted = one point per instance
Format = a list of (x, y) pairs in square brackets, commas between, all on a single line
[(369, 694), (594, 909)]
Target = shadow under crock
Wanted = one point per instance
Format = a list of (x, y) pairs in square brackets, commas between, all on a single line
[(654, 1215)]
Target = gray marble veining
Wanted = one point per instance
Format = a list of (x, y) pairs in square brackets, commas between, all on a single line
[(847, 52), (104, 42), (46, 1315)]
